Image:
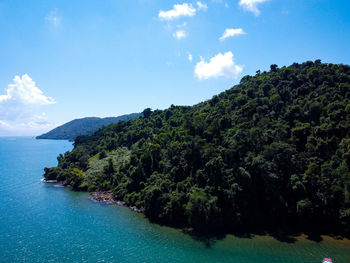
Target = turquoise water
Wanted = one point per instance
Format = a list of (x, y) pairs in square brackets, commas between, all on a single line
[(43, 223)]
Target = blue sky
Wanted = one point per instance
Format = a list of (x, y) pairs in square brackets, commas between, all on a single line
[(62, 60)]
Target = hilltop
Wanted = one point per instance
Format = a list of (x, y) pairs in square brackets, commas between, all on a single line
[(271, 152), (84, 126)]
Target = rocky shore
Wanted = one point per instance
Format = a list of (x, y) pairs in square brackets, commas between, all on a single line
[(107, 198), (48, 181), (104, 197)]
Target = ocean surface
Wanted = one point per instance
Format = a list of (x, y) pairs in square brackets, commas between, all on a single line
[(44, 223)]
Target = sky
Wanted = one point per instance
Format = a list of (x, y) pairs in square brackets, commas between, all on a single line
[(61, 60)]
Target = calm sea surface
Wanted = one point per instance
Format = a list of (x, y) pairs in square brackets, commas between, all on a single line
[(43, 223)]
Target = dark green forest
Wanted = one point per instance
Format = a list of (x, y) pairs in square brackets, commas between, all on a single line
[(271, 152), (84, 126)]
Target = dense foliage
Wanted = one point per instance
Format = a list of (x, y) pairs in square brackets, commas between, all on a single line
[(84, 126), (272, 151)]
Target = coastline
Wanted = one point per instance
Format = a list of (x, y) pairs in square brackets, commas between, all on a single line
[(48, 181), (104, 197)]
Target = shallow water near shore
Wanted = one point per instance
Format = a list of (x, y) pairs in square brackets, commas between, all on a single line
[(43, 223)]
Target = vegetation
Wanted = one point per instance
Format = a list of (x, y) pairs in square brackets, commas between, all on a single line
[(272, 151), (85, 126)]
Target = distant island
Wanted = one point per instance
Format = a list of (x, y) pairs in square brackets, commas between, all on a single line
[(269, 153), (84, 126)]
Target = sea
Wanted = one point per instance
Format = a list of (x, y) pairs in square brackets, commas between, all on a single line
[(42, 222)]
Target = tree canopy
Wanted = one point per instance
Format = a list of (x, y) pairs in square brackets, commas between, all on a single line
[(271, 151), (84, 126)]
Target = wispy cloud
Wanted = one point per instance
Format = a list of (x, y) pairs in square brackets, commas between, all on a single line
[(285, 12), (201, 6), (231, 32), (221, 65), (251, 5), (179, 10), (53, 18), (180, 34), (190, 57), (184, 24)]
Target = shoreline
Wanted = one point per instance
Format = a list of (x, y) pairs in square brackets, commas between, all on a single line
[(48, 181), (106, 197)]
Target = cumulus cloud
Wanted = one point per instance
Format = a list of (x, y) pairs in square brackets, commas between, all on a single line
[(24, 91), (20, 107), (202, 6), (251, 5), (222, 65), (180, 34), (190, 57), (179, 10), (231, 32)]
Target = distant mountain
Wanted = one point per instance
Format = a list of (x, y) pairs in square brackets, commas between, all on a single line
[(84, 126)]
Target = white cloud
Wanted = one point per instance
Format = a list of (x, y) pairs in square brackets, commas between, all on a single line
[(221, 2), (178, 10), (231, 32), (25, 91), (222, 65), (30, 128), (251, 5), (54, 18), (202, 6), (180, 34), (20, 107), (190, 57)]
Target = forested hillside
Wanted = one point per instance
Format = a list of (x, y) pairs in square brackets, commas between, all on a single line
[(270, 152), (84, 126)]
